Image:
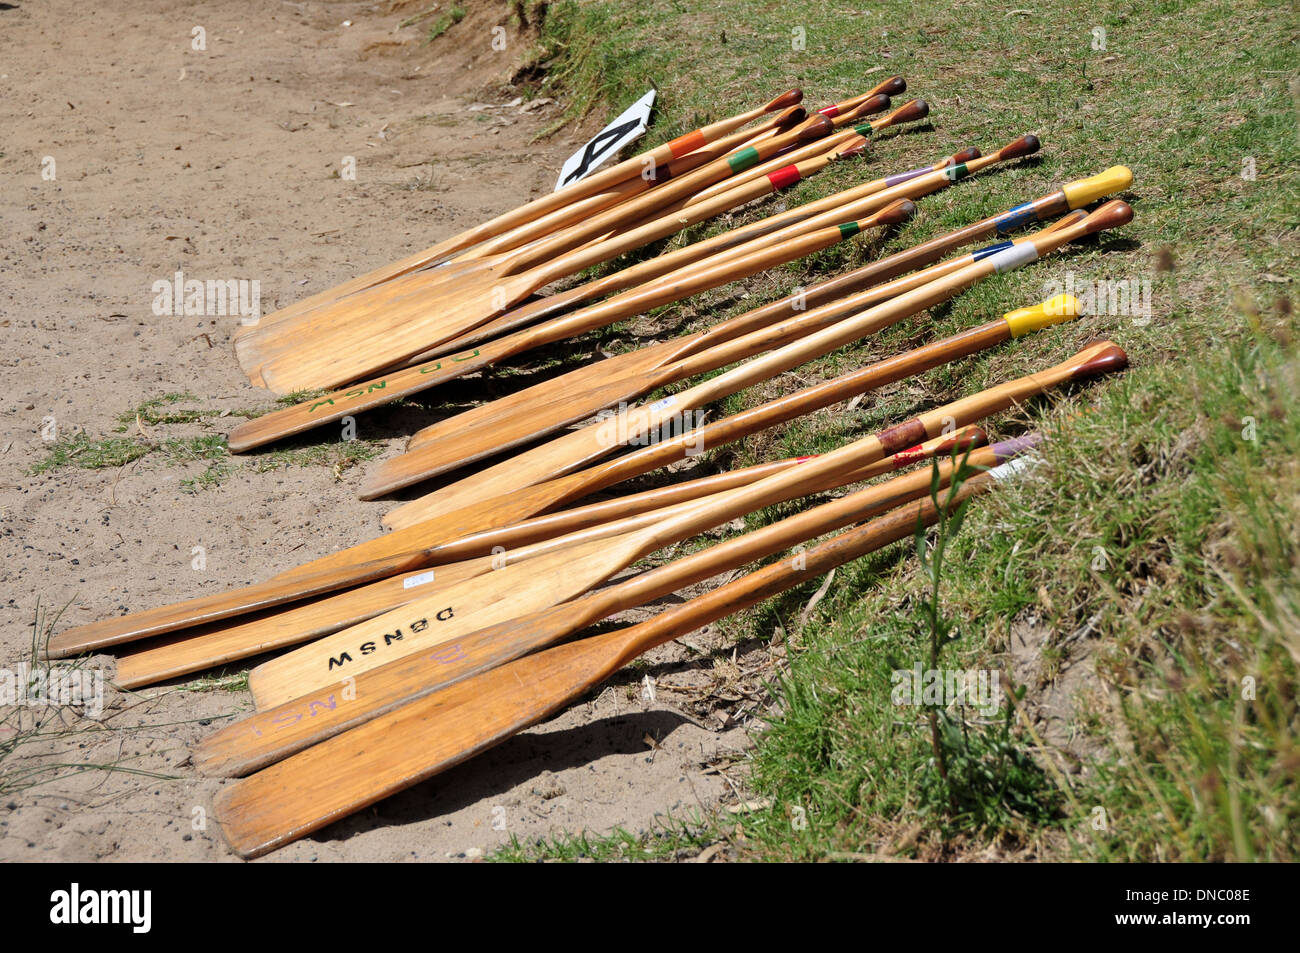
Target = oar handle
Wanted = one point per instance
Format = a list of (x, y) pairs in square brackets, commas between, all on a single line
[(868, 107), (1102, 357)]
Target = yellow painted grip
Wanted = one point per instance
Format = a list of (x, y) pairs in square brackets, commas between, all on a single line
[(1115, 179), (1042, 315)]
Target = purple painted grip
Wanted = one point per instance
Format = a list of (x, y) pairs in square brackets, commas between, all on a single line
[(1004, 450)]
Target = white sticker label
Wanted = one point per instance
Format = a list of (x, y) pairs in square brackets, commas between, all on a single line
[(419, 580), (627, 127), (661, 404)]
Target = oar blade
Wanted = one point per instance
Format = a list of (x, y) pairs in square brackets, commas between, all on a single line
[(459, 610), (331, 780)]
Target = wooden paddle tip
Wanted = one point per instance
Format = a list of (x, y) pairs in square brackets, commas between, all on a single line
[(790, 97), (1113, 214), (1026, 145), (1103, 357)]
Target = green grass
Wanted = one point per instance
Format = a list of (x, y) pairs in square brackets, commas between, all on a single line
[(1192, 526), (445, 23), (81, 450)]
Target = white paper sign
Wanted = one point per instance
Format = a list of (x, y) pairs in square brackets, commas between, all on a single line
[(627, 127)]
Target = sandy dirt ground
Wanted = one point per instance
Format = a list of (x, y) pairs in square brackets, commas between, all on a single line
[(129, 155)]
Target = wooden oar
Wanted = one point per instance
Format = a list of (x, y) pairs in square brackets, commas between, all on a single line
[(649, 177), (273, 334), (510, 421), (355, 769), (197, 649), (398, 332), (510, 286), (741, 262), (592, 185), (542, 408), (396, 385), (275, 733), (547, 580), (575, 449), (276, 345), (531, 311), (1081, 193)]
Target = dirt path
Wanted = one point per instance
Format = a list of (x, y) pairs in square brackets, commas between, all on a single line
[(129, 155)]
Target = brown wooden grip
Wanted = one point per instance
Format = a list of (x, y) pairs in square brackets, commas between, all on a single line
[(965, 155), (816, 127), (895, 213), (1108, 358), (790, 118), (869, 107), (892, 86), (908, 112), (790, 97), (1113, 214), (1026, 145)]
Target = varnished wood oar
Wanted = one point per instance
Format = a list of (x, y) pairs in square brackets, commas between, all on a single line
[(1073, 196), (531, 311), (410, 549), (395, 385), (538, 239), (508, 422), (275, 733), (743, 261), (340, 351), (592, 185), (510, 286), (577, 448), (274, 333), (331, 780), (197, 649), (545, 581), (464, 298), (530, 413)]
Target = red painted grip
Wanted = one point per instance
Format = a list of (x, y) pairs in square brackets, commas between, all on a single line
[(830, 112), (782, 178)]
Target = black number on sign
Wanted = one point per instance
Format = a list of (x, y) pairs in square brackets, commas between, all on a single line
[(595, 150)]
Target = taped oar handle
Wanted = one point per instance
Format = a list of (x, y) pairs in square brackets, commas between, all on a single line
[(790, 97), (1044, 314), (1026, 145), (1085, 191)]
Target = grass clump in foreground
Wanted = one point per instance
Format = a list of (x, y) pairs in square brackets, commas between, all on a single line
[(1139, 584), (88, 453)]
